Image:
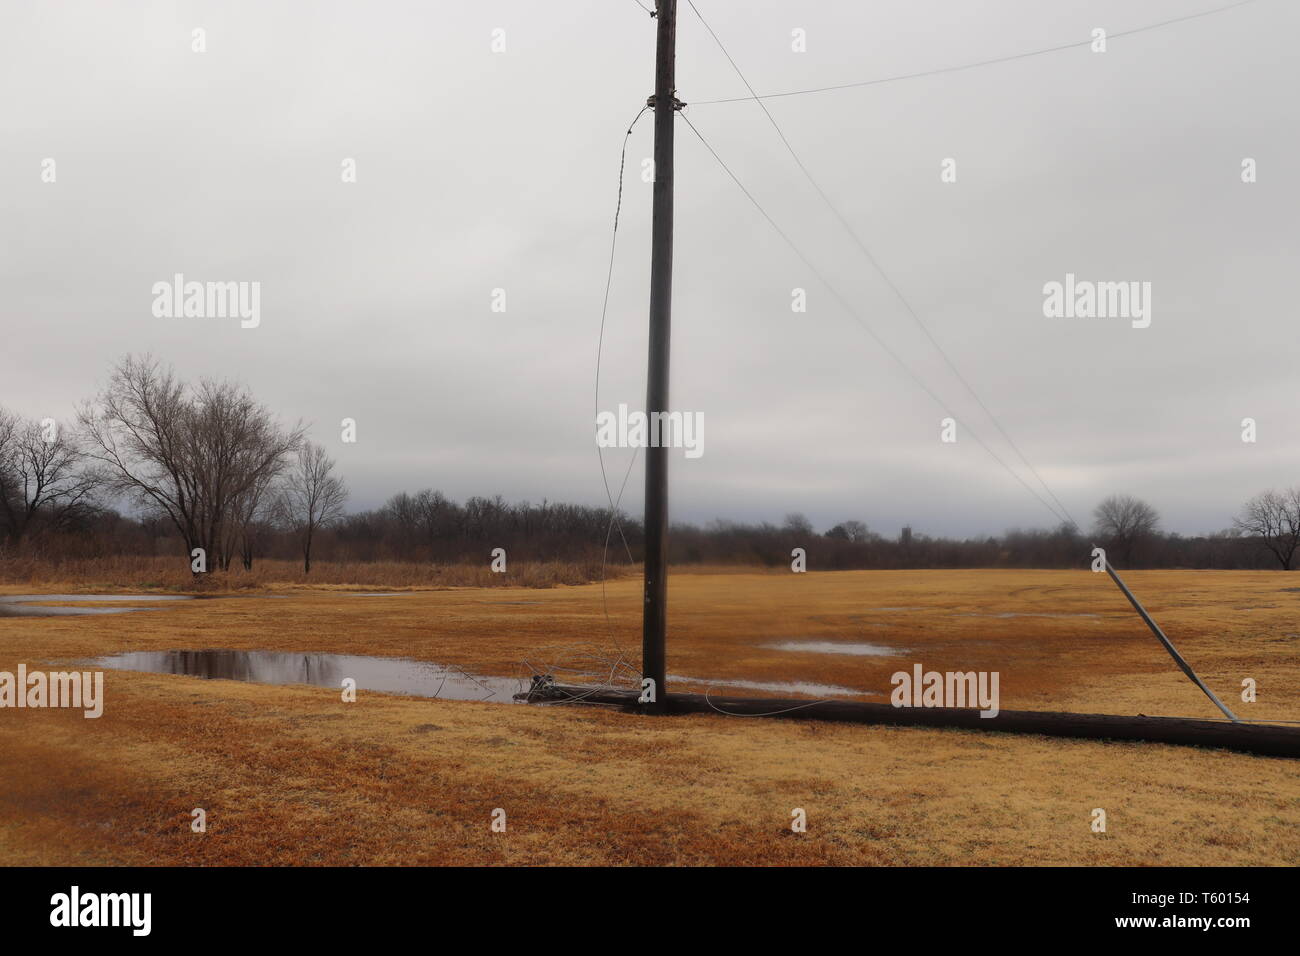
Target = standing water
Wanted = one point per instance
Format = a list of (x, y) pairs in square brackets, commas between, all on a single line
[(24, 605), (393, 675)]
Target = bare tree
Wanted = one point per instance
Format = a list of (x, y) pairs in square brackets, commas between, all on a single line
[(43, 477), (252, 513), (1124, 523), (188, 453), (797, 524), (10, 427), (853, 531), (1274, 518), (312, 497)]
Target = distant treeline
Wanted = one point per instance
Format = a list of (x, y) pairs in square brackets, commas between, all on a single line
[(428, 527), (211, 475)]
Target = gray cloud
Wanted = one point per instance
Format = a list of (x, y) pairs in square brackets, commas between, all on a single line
[(478, 171)]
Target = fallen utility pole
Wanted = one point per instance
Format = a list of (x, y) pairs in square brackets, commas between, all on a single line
[(1266, 739)]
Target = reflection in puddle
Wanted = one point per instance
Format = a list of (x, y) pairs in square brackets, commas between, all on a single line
[(20, 605), (393, 675), (791, 687), (28, 610), (838, 647)]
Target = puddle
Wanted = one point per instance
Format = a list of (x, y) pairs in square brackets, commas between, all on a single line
[(791, 687), (27, 610), (392, 675), (858, 649), (21, 605)]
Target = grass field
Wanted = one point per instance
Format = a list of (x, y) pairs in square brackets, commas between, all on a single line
[(293, 775)]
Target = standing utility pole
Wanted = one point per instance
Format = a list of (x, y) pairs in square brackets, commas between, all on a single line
[(655, 614)]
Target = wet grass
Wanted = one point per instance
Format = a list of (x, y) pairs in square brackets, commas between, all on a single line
[(292, 774)]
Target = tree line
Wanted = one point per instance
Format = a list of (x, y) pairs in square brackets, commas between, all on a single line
[(203, 465), (204, 469)]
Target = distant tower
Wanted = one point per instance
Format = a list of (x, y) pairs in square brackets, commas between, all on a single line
[(905, 538)]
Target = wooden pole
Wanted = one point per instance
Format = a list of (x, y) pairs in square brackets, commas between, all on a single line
[(655, 612), (1257, 738)]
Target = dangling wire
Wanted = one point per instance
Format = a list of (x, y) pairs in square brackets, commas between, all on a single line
[(600, 348)]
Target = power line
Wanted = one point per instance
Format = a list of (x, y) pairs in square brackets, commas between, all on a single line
[(867, 328), (1142, 612), (876, 266), (970, 66), (898, 294)]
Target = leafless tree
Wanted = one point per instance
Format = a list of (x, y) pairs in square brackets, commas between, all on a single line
[(312, 497), (10, 428), (423, 521), (43, 477), (852, 531), (1124, 523), (1274, 518), (252, 514), (190, 453), (798, 524)]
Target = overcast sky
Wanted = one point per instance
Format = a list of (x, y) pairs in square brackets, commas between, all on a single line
[(479, 170)]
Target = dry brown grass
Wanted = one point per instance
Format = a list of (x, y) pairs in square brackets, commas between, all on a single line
[(293, 775)]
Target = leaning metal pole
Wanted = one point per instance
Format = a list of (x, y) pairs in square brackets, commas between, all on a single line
[(1169, 645)]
